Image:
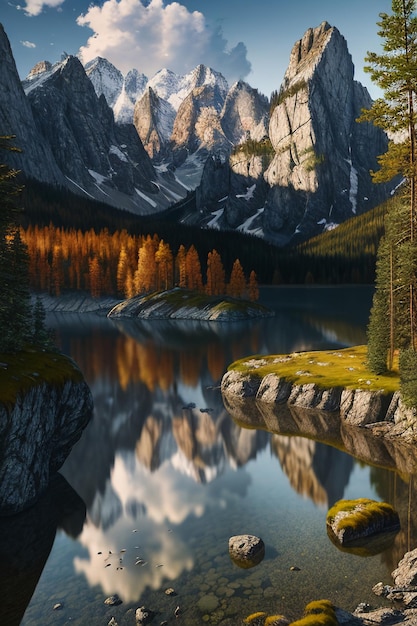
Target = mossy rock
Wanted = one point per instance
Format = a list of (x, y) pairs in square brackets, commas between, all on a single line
[(318, 613), (255, 619), (349, 522)]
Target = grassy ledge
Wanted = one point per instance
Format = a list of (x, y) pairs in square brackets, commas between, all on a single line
[(345, 368), (31, 367)]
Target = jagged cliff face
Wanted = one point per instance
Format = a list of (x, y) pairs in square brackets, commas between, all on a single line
[(245, 114), (315, 173), (320, 172), (235, 190), (197, 124), (69, 138), (178, 116), (121, 92), (81, 131), (153, 118), (16, 118)]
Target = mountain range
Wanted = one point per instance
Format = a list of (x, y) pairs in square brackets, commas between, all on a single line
[(284, 169)]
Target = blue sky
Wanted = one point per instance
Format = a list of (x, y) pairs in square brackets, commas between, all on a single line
[(249, 39)]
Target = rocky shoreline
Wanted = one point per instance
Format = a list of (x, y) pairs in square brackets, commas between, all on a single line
[(386, 414), (371, 425)]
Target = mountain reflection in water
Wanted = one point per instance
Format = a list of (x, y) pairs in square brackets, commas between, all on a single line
[(167, 476)]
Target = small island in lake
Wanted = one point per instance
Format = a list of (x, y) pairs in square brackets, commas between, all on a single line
[(180, 304)]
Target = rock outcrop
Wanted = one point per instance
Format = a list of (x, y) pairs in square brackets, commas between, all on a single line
[(355, 407), (402, 594), (317, 172), (37, 432), (320, 173), (179, 304)]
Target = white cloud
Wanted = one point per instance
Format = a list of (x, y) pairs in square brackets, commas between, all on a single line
[(35, 7), (151, 35), (28, 44)]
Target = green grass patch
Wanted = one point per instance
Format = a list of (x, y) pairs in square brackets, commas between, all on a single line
[(345, 368), (30, 367)]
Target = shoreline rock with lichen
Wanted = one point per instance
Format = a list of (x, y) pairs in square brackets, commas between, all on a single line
[(374, 409), (180, 304)]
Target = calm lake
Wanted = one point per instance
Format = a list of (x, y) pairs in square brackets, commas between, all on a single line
[(163, 476)]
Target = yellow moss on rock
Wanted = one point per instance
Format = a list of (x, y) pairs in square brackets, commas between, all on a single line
[(318, 613), (352, 519), (255, 618), (276, 620)]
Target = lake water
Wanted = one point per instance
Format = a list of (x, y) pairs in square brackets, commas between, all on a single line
[(163, 476)]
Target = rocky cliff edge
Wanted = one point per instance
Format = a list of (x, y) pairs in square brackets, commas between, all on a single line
[(38, 428)]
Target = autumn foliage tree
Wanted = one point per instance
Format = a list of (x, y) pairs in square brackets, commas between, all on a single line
[(124, 265), (237, 284), (216, 276)]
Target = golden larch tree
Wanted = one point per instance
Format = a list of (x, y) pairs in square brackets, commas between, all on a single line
[(237, 285), (193, 270), (216, 277)]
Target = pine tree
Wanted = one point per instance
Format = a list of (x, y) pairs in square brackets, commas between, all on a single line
[(15, 309), (395, 72), (379, 330), (41, 335), (15, 306), (122, 271)]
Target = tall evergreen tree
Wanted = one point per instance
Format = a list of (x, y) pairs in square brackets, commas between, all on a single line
[(394, 70), (15, 308)]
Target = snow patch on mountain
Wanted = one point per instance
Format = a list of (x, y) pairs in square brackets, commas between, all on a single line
[(107, 80)]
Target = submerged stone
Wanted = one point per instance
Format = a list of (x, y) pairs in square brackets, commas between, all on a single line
[(246, 550)]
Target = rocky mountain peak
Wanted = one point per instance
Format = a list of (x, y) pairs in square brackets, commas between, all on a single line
[(135, 84), (320, 173), (106, 79), (245, 113), (39, 68), (309, 47), (16, 118), (308, 168), (153, 118), (197, 124), (164, 83)]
